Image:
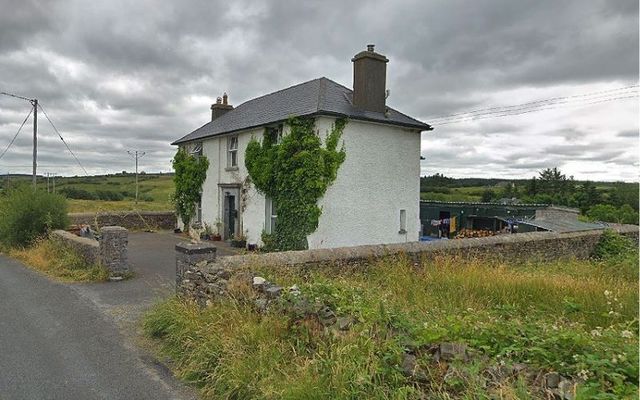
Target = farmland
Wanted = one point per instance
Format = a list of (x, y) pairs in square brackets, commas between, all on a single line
[(107, 192)]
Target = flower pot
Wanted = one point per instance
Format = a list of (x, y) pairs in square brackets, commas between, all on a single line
[(238, 243), (216, 238)]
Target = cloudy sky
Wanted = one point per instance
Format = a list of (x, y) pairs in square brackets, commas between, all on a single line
[(120, 75)]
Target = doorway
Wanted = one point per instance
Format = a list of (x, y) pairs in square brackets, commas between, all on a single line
[(231, 218)]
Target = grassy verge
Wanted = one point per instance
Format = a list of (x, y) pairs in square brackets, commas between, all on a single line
[(578, 318), (59, 262)]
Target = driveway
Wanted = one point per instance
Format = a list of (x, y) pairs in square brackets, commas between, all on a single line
[(55, 344), (83, 341)]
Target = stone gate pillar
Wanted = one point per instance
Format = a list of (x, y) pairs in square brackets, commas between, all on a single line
[(113, 250), (189, 254)]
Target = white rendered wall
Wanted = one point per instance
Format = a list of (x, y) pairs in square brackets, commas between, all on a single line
[(252, 218), (379, 177)]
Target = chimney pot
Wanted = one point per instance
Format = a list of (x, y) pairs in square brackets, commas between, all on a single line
[(370, 47), (224, 98), (221, 107), (219, 100)]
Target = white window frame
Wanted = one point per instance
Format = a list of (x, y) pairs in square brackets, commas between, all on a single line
[(277, 131), (403, 222), (232, 151), (270, 216), (196, 150)]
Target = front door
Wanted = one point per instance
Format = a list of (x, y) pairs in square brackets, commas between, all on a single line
[(230, 214)]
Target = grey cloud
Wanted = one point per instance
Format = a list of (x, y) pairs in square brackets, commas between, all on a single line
[(120, 74)]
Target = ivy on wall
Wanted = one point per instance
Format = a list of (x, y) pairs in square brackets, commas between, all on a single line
[(190, 173), (295, 174)]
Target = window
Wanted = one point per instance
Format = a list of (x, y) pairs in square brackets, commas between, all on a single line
[(198, 218), (270, 216), (232, 149), (275, 133), (196, 150), (403, 222)]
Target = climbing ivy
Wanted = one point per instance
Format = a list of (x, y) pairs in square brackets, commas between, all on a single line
[(295, 174), (190, 173)]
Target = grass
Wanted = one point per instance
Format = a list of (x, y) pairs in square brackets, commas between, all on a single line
[(156, 189), (578, 318), (59, 261)]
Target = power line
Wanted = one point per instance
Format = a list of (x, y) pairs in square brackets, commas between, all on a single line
[(17, 133), (15, 95), (575, 99), (530, 110), (63, 141)]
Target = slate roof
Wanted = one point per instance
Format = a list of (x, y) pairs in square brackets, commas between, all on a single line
[(320, 96)]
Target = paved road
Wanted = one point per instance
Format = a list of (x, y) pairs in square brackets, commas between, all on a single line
[(70, 341)]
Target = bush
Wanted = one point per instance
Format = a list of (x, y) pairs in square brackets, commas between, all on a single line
[(109, 195), (27, 215), (612, 245), (609, 213), (72, 192)]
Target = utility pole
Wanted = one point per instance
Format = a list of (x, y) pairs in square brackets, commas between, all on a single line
[(137, 154), (34, 102)]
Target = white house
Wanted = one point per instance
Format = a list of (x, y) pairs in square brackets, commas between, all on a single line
[(375, 197)]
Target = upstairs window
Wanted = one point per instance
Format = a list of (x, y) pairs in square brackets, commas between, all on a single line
[(232, 151), (196, 150), (275, 133)]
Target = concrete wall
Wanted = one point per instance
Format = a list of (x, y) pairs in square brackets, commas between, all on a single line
[(134, 220), (379, 177)]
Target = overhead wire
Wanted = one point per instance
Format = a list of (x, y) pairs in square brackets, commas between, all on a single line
[(16, 135), (580, 99), (61, 138)]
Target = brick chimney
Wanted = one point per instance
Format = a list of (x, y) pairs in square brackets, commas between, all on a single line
[(220, 107), (369, 80)]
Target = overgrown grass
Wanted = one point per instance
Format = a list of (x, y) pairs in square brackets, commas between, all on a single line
[(59, 261), (578, 318)]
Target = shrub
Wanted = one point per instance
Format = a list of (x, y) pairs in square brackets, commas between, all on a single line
[(27, 215), (109, 195), (612, 245), (72, 192)]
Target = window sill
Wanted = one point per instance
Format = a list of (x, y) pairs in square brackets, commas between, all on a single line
[(231, 169)]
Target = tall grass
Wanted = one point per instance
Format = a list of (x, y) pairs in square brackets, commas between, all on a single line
[(574, 317), (59, 261)]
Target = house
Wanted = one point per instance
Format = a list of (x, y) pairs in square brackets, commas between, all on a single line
[(375, 197)]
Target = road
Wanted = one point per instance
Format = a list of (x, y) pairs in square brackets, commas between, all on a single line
[(60, 341)]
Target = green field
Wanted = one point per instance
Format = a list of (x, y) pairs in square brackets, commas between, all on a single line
[(154, 191), (576, 318)]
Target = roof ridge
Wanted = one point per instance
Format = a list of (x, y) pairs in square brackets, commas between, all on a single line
[(281, 90)]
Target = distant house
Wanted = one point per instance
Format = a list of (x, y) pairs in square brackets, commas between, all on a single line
[(375, 198)]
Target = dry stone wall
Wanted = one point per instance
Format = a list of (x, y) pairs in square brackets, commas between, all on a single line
[(110, 250), (132, 220), (204, 277)]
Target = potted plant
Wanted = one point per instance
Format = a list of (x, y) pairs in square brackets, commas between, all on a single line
[(207, 234), (216, 237), (239, 240)]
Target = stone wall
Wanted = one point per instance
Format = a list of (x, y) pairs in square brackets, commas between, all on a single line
[(200, 277), (110, 251), (132, 220), (87, 248)]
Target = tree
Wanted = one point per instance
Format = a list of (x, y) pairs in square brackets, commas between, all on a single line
[(190, 173), (295, 174), (488, 195)]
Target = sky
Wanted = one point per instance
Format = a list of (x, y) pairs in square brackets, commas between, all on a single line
[(135, 75)]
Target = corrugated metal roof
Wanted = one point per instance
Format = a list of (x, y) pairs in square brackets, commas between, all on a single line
[(477, 203), (320, 96), (563, 225)]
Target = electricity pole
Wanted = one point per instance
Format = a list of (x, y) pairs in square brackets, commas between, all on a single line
[(137, 154), (34, 102)]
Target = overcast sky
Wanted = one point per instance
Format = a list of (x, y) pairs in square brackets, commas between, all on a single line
[(118, 75)]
